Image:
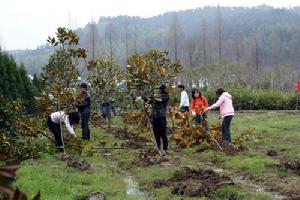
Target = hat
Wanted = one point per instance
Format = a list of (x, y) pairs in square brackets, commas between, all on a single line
[(83, 85)]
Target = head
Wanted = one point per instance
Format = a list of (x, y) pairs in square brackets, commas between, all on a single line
[(181, 87), (74, 118), (83, 86), (162, 89), (220, 91), (196, 93)]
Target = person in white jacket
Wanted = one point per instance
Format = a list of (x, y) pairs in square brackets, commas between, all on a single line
[(226, 111), (184, 100), (69, 119)]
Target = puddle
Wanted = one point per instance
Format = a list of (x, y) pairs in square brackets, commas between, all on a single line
[(132, 187)]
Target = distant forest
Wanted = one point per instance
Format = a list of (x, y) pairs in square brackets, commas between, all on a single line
[(255, 42)]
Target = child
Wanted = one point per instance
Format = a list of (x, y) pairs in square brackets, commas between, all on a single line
[(199, 102), (69, 120), (226, 111)]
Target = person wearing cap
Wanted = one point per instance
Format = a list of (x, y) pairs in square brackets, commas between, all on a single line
[(69, 120), (159, 120), (184, 99), (84, 108)]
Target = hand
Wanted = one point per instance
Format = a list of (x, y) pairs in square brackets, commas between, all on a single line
[(193, 113), (205, 110), (74, 135)]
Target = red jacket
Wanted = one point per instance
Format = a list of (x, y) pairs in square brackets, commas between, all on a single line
[(198, 104)]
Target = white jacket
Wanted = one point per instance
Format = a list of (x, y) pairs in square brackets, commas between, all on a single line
[(61, 116)]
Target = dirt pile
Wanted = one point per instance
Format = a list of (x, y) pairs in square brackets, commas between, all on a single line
[(93, 196), (194, 182), (132, 140), (293, 165), (151, 157), (272, 153), (75, 162), (222, 145)]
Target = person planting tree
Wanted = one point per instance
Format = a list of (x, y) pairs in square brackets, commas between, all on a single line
[(226, 111), (84, 108), (54, 121), (198, 103), (159, 120)]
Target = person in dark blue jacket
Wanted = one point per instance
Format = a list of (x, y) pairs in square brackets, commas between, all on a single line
[(84, 108)]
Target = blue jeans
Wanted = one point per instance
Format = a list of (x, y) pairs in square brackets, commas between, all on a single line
[(198, 120), (226, 128)]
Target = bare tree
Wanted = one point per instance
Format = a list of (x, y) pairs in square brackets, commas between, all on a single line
[(110, 38), (238, 48), (220, 33), (175, 34), (126, 38), (256, 54), (204, 41), (135, 38), (191, 51)]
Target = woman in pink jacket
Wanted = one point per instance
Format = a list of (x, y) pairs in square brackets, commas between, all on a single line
[(226, 111)]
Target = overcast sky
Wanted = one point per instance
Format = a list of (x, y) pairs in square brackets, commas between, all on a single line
[(27, 23)]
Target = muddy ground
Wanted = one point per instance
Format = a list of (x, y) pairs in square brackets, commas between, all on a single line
[(74, 162), (194, 182)]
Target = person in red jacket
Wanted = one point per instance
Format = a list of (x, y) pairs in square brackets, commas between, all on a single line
[(199, 102)]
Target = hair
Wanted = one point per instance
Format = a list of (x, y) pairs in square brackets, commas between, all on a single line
[(83, 85), (74, 118), (181, 86), (220, 91), (163, 88), (194, 91)]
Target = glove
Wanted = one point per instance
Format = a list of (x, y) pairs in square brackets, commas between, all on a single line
[(193, 113)]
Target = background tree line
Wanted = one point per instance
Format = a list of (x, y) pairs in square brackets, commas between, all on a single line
[(257, 46), (15, 83)]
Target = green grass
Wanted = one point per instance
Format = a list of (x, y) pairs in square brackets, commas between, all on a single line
[(273, 130)]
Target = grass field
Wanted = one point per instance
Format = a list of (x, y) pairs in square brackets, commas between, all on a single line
[(255, 174)]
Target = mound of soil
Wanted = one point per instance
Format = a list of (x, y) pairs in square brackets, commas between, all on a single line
[(93, 196), (151, 157), (272, 152), (194, 183), (227, 147), (74, 162), (293, 165), (133, 140)]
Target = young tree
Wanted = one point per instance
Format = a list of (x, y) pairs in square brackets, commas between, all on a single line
[(60, 75)]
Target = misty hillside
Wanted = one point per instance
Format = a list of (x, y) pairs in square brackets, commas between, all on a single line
[(261, 35)]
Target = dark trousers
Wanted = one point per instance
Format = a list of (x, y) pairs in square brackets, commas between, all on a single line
[(85, 127), (226, 128), (55, 129), (160, 132), (199, 119)]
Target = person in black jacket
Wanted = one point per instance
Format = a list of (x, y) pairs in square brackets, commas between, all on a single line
[(159, 120), (85, 109)]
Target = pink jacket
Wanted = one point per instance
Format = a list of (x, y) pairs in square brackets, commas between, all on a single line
[(225, 104)]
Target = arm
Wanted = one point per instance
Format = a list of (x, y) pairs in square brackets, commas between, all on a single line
[(87, 102), (217, 104), (68, 125), (192, 105), (181, 99)]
